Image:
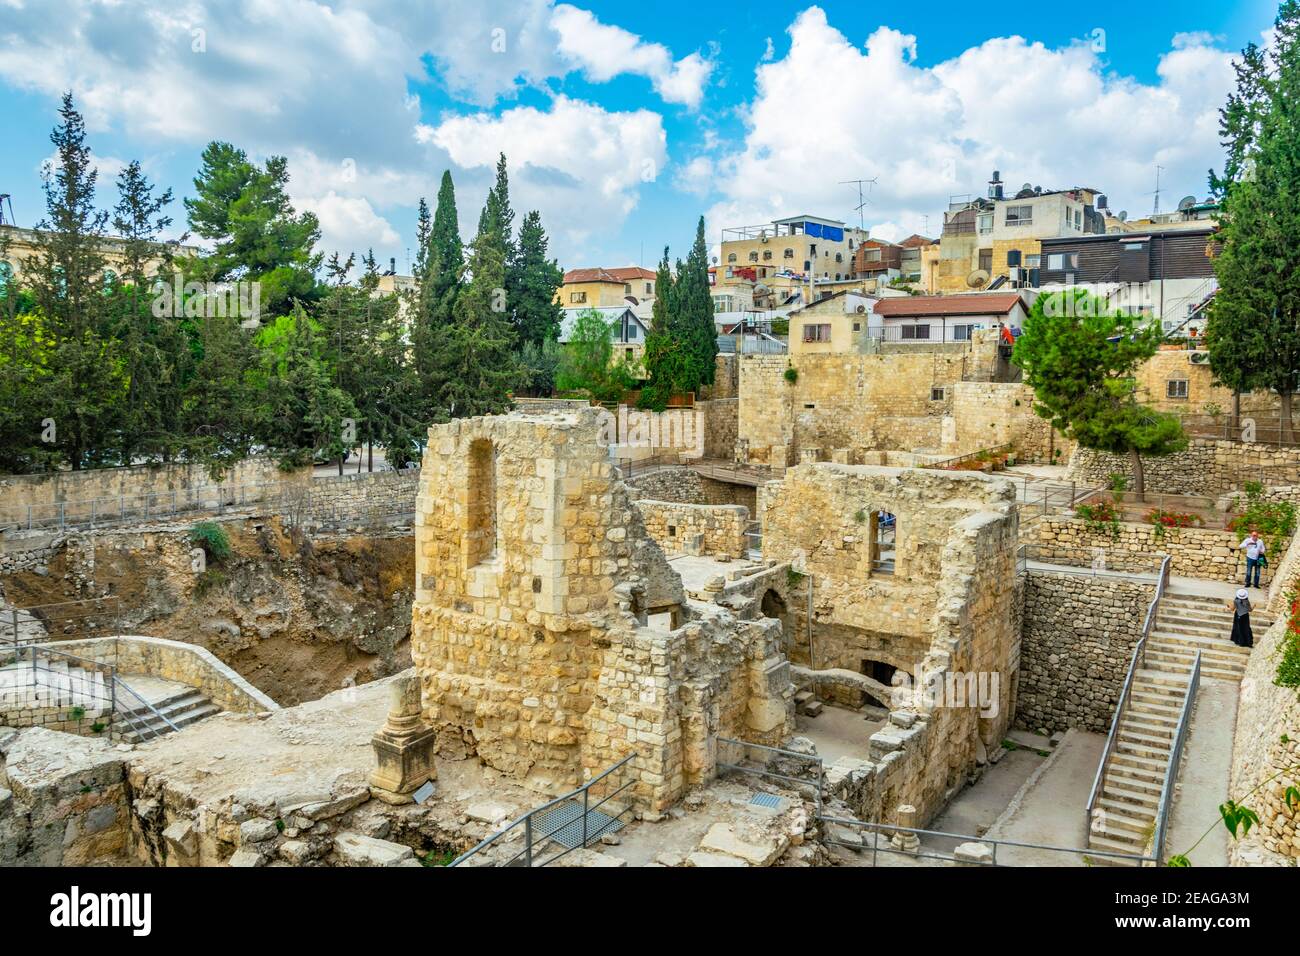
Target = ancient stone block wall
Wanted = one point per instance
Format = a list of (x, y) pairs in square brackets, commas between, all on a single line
[(689, 487), (987, 414), (717, 530), (721, 424), (1077, 640), (44, 492), (726, 376), (1205, 468), (535, 580), (1194, 552), (945, 613), (366, 495)]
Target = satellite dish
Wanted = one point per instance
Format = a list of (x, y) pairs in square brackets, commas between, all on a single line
[(1187, 202), (977, 279)]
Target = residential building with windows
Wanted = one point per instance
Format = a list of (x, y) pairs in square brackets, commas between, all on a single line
[(921, 319), (838, 323), (984, 239), (602, 288), (629, 329), (17, 245), (1163, 273)]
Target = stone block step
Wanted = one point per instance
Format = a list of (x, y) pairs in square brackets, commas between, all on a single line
[(1142, 747), (1120, 790), (1126, 817), (1139, 765), (812, 708), (1112, 844), (1132, 780)]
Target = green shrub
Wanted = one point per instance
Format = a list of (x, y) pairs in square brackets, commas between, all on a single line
[(1274, 520), (791, 374), (1117, 481), (211, 537)]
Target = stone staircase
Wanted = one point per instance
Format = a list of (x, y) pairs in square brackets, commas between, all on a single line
[(1186, 622), (142, 701)]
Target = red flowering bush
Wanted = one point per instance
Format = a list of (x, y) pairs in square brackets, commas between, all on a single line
[(1174, 519)]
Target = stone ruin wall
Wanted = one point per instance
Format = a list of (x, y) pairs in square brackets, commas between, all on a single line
[(1078, 636), (535, 576), (1193, 552), (687, 486), (948, 609), (714, 530), (862, 403)]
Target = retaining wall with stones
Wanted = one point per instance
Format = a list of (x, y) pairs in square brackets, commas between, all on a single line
[(1077, 639), (1206, 467), (687, 486), (1193, 552)]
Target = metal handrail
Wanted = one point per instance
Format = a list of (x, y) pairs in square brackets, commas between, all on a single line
[(527, 819), (970, 456), (965, 837), (790, 754), (123, 685), (1175, 755), (1139, 658)]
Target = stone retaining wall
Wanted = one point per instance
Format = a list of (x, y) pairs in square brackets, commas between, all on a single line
[(717, 530), (1193, 552), (18, 492), (1206, 467), (687, 486), (1077, 640)]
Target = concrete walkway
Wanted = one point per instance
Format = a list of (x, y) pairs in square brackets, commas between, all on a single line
[(1203, 781), (1050, 807)]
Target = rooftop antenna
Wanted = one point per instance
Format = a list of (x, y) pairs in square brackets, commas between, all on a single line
[(1155, 211), (861, 201), (4, 197)]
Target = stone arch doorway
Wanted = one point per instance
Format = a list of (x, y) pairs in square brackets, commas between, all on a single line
[(773, 605)]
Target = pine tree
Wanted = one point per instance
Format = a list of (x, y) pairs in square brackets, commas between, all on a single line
[(699, 334), (442, 268), (537, 314), (152, 343), (83, 380), (473, 353), (1253, 332), (666, 360)]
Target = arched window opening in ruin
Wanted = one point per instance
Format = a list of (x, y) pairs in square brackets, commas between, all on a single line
[(881, 672), (774, 606), (884, 538), (481, 504)]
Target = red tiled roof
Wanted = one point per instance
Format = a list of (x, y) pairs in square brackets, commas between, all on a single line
[(948, 305), (916, 240), (598, 274)]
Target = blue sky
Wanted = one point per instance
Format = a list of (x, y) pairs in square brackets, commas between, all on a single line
[(625, 122)]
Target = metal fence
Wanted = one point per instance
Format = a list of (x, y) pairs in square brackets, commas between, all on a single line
[(560, 826), (741, 756), (34, 624), (1246, 429), (1126, 692), (1062, 559)]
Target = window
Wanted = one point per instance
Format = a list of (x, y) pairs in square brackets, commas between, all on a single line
[(480, 541), (871, 255), (788, 254), (857, 326), (916, 332), (839, 257), (1078, 219), (627, 288), (807, 266), (1176, 388), (1031, 261), (577, 297), (731, 257), (649, 288), (1020, 215), (1061, 261), (631, 331), (961, 333), (629, 353), (986, 260), (936, 394), (6, 274), (812, 248), (817, 333), (753, 257), (884, 538), (985, 223)]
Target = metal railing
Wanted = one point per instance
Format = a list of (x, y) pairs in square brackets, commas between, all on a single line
[(528, 855), (1063, 559), (875, 830), (634, 467), (981, 455), (1223, 427), (776, 753), (39, 621), (1138, 661), (1175, 757), (48, 684), (296, 497)]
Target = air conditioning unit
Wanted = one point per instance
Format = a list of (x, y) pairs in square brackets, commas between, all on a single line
[(1199, 358), (862, 308), (1169, 325)]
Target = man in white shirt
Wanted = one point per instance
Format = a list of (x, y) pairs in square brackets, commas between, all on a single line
[(1253, 545)]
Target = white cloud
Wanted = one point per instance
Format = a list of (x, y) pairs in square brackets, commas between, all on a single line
[(1051, 117), (603, 52), (581, 165), (348, 223)]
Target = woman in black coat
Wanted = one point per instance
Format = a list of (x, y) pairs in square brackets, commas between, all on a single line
[(1240, 607)]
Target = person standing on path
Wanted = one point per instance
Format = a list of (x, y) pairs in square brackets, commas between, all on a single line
[(1240, 608), (1253, 545)]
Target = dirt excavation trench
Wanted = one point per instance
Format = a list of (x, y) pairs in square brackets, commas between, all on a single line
[(297, 616)]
